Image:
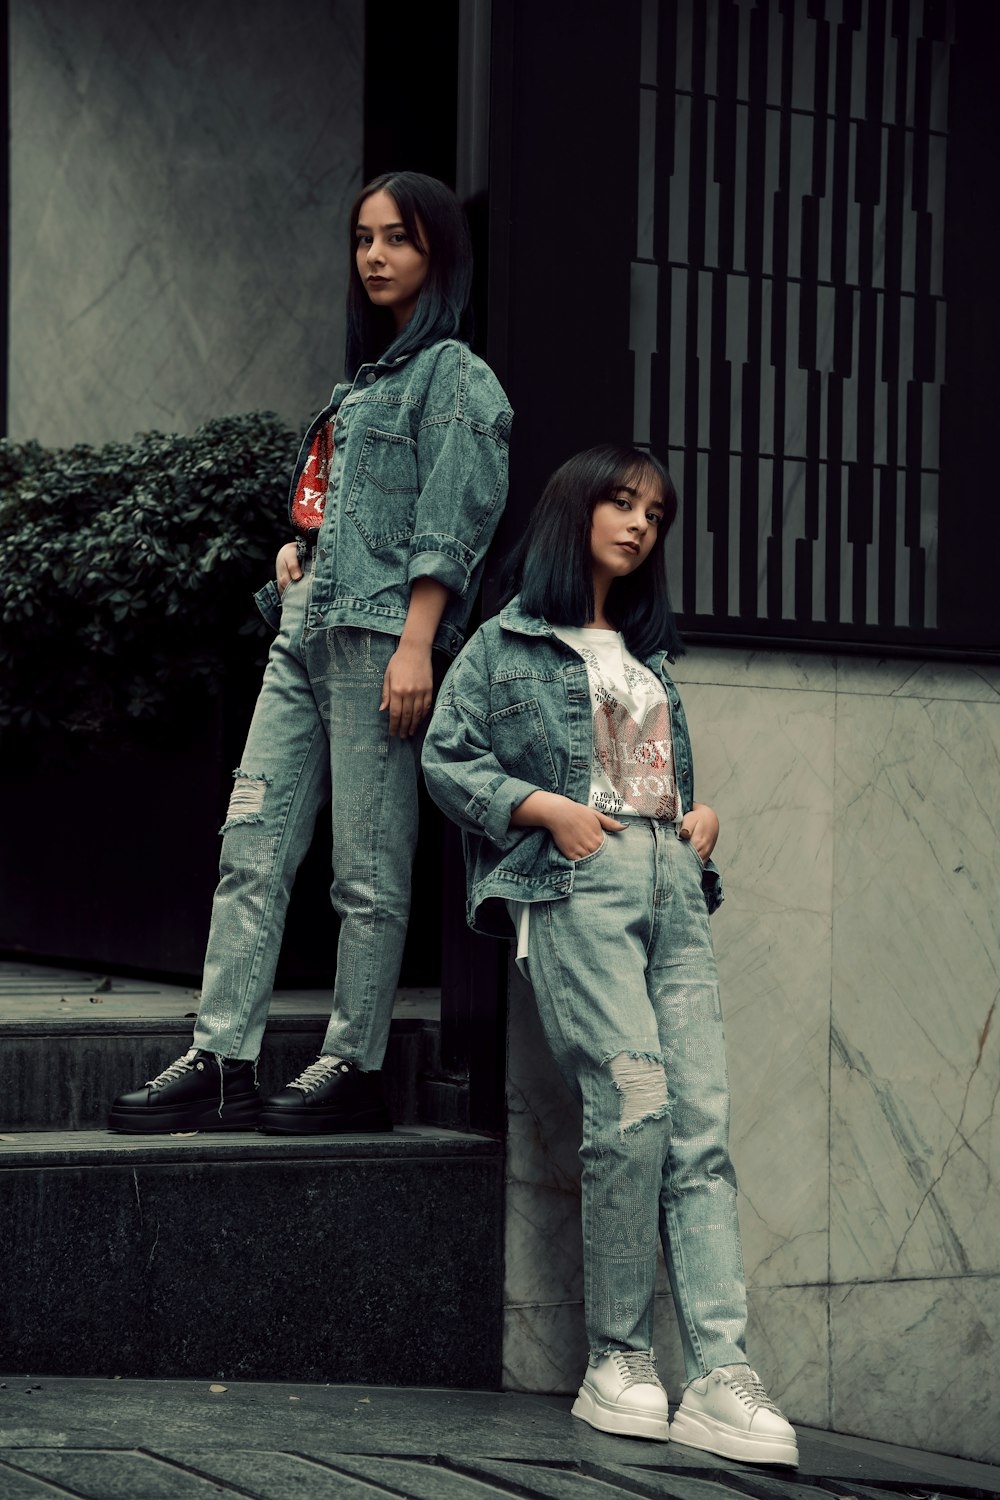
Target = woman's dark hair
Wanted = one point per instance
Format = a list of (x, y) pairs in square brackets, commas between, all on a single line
[(551, 566), (442, 309)]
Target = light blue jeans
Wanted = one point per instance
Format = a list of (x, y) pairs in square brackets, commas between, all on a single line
[(316, 735), (628, 993)]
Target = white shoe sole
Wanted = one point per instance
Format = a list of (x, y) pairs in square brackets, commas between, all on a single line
[(589, 1407), (697, 1430)]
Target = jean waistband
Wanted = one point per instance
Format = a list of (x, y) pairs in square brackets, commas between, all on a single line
[(630, 817)]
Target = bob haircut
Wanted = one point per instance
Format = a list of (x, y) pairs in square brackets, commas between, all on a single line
[(442, 309), (551, 566)]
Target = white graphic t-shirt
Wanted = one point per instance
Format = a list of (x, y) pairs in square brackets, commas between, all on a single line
[(633, 767), (632, 772)]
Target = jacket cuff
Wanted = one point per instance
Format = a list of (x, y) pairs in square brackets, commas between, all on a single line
[(442, 557), (492, 808), (268, 601), (711, 884)]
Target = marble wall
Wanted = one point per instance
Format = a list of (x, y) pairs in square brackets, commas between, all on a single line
[(858, 945), (180, 176)]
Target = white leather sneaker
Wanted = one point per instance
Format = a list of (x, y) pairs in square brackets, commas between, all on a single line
[(621, 1393), (729, 1412)]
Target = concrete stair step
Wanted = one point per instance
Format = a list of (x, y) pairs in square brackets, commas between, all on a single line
[(237, 1255), (70, 1042)]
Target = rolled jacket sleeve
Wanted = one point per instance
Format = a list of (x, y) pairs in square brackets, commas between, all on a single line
[(268, 601), (462, 450)]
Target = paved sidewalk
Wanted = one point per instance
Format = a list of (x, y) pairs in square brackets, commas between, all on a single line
[(186, 1440)]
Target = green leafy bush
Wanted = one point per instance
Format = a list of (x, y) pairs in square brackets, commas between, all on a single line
[(127, 570)]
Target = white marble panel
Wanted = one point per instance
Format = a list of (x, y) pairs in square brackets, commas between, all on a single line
[(730, 667), (764, 761), (916, 974), (898, 677), (544, 1348), (775, 979), (912, 811), (787, 1344), (915, 1363), (543, 1245), (179, 203)]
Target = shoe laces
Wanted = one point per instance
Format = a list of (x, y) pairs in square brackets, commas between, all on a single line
[(176, 1070), (318, 1073), (637, 1367), (747, 1385)]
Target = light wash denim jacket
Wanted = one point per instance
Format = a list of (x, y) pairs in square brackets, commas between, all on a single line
[(514, 715), (417, 485)]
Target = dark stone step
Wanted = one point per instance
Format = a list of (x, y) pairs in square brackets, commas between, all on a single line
[(232, 1255), (69, 1043), (61, 1079)]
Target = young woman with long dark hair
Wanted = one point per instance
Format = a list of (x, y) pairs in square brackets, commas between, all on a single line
[(559, 746), (397, 492)]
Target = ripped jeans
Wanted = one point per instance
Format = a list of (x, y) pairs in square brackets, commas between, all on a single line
[(625, 980), (316, 735)]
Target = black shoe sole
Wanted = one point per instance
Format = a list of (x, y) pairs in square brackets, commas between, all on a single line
[(236, 1114), (323, 1122)]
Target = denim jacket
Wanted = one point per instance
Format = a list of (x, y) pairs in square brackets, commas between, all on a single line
[(417, 484), (514, 715)]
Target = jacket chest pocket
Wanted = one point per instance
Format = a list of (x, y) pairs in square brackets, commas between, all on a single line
[(383, 496), (517, 734)]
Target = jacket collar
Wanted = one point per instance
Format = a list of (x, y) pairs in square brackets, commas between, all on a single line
[(515, 618), (400, 359)]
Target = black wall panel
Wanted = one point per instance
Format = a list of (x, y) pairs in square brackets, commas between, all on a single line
[(757, 236)]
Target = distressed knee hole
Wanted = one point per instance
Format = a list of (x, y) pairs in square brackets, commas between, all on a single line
[(247, 800), (642, 1084)]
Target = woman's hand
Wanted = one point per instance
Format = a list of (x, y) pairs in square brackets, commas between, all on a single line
[(407, 688), (577, 830), (701, 826), (287, 567)]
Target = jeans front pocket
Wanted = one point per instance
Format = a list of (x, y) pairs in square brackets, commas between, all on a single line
[(689, 844), (588, 859)]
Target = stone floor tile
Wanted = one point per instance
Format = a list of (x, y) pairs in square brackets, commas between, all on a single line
[(16, 1485), (275, 1476), (110, 1475)]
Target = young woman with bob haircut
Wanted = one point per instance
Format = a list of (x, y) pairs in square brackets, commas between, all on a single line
[(398, 488), (559, 746)]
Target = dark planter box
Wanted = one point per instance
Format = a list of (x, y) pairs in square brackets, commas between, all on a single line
[(110, 853)]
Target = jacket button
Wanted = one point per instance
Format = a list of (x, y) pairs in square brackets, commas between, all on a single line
[(371, 377), (322, 552)]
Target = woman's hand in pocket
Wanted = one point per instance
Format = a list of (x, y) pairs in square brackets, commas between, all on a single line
[(578, 830), (701, 827), (287, 568)]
